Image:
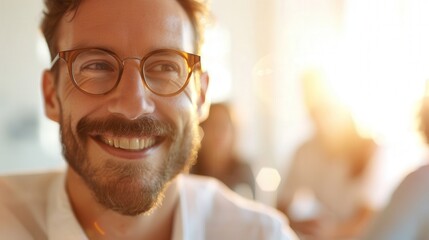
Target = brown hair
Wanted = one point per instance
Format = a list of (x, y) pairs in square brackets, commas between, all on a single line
[(55, 9)]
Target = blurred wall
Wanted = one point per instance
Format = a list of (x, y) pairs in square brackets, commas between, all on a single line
[(21, 117)]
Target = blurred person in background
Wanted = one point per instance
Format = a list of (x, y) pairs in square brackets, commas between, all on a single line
[(326, 192), (218, 157), (406, 216)]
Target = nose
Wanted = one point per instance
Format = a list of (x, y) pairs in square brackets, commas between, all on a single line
[(131, 98)]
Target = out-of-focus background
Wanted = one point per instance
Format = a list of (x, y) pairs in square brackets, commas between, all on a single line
[(374, 55)]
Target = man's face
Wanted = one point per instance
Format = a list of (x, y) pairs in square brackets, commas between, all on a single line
[(126, 145)]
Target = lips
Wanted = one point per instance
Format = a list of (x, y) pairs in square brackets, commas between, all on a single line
[(126, 139), (126, 143)]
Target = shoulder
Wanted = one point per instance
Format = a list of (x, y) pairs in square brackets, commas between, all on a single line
[(25, 187), (420, 174), (220, 207), (405, 216), (23, 200), (415, 182), (411, 196)]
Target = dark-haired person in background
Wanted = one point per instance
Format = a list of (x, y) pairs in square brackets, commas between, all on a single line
[(218, 157)]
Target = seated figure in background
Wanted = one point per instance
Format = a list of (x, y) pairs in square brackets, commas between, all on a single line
[(217, 156), (407, 214), (329, 177)]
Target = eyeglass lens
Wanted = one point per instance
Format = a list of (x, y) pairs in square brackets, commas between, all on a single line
[(96, 71)]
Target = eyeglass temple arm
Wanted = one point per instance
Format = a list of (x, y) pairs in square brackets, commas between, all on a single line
[(55, 60)]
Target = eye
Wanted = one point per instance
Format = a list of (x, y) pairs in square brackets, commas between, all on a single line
[(98, 66), (163, 66)]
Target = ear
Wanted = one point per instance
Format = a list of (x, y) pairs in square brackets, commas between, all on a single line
[(203, 100), (50, 100)]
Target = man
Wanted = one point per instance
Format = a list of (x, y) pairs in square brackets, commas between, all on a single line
[(128, 94)]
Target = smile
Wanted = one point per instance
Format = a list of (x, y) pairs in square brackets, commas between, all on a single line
[(136, 144)]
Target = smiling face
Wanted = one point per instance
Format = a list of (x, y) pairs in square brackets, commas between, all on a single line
[(126, 145)]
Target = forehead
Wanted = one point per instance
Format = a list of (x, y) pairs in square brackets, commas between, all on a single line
[(127, 27)]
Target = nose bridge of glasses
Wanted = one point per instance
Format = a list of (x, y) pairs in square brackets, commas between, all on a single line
[(139, 59), (132, 99), (136, 59)]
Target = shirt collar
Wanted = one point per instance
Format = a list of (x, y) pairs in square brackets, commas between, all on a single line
[(61, 221)]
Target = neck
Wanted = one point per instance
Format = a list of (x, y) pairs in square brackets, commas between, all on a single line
[(101, 223)]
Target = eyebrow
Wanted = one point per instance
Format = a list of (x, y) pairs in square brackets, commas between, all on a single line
[(104, 47)]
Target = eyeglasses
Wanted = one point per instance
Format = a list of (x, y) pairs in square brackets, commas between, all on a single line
[(165, 72)]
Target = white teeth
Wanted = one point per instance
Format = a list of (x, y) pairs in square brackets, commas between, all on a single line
[(134, 143), (149, 142), (129, 143), (116, 142), (124, 143), (141, 143)]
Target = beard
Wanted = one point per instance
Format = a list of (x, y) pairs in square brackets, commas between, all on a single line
[(129, 187)]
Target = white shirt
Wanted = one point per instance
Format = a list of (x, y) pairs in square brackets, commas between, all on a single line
[(37, 207)]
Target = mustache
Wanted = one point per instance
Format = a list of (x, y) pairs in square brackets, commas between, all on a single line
[(118, 126)]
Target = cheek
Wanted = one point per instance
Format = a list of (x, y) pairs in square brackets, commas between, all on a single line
[(75, 106), (65, 84), (191, 90), (178, 110), (71, 97)]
